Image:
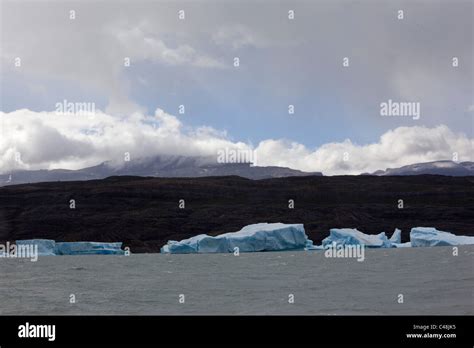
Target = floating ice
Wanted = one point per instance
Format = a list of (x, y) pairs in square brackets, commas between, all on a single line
[(430, 236), (89, 248), (351, 236), (402, 245), (396, 236), (256, 237), (46, 247), (311, 246), (186, 246)]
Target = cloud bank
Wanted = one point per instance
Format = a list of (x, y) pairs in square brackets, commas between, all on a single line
[(47, 140)]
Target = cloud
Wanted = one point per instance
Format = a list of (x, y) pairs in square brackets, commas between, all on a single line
[(297, 61), (89, 51), (140, 43), (397, 147), (282, 60), (237, 36), (46, 140)]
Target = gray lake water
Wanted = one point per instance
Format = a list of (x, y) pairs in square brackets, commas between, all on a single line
[(431, 280)]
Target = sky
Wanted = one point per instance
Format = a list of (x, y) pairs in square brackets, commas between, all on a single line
[(336, 127)]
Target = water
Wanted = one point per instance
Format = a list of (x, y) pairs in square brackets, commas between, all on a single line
[(431, 280)]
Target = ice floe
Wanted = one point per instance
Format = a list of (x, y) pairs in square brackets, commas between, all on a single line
[(352, 236), (46, 247), (430, 236), (256, 237), (89, 248)]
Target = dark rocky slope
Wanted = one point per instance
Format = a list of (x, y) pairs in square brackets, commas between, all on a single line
[(144, 212)]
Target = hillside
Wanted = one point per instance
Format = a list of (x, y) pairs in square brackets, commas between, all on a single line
[(144, 214)]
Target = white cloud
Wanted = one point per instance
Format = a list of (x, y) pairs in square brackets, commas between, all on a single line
[(397, 147), (47, 140), (237, 36)]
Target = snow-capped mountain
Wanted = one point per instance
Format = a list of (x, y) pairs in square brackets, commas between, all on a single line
[(160, 166), (449, 168)]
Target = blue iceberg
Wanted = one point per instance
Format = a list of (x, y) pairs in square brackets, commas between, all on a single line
[(396, 237), (402, 245), (351, 236), (89, 248), (311, 246), (186, 246), (430, 236), (256, 237), (46, 247)]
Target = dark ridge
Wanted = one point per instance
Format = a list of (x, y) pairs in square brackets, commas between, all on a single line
[(143, 212)]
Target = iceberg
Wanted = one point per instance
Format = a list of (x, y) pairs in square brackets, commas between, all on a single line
[(186, 246), (310, 246), (89, 248), (402, 245), (256, 237), (46, 247), (351, 236), (430, 236), (396, 237)]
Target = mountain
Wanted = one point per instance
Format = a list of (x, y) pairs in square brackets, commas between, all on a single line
[(198, 166), (159, 166), (448, 168), (145, 212)]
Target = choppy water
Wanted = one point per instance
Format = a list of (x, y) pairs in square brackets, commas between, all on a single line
[(431, 280)]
